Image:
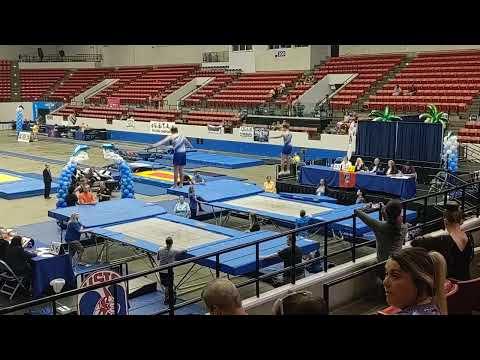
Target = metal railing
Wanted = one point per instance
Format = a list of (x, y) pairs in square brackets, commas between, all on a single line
[(292, 270), (58, 58)]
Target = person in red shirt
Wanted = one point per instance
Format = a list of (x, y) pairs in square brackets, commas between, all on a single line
[(86, 197)]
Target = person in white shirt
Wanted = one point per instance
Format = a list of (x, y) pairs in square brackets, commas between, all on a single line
[(345, 164), (182, 208), (322, 188)]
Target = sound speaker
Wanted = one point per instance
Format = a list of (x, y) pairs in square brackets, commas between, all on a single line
[(40, 53)]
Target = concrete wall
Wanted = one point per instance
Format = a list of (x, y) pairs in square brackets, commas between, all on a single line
[(11, 52), (379, 49), (7, 110), (244, 60), (329, 142), (269, 60), (318, 53), (58, 65)]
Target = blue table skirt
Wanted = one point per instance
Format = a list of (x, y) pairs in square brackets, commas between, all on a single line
[(45, 270), (403, 188)]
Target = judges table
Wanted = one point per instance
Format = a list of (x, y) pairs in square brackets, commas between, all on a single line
[(404, 187)]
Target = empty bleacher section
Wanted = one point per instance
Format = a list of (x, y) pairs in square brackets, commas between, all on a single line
[(294, 94), (221, 79), (448, 80), (154, 84), (470, 133), (77, 82), (370, 69), (37, 83), (251, 90), (5, 83), (125, 76), (154, 114), (211, 117)]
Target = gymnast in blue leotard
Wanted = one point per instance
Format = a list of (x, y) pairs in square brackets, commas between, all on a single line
[(179, 144), (287, 148)]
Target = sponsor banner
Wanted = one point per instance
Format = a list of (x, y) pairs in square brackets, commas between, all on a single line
[(260, 134), (113, 102), (246, 131), (215, 129), (101, 301), (161, 127), (347, 179), (130, 122), (24, 136)]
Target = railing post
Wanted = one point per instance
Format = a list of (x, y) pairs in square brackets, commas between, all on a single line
[(354, 236), (54, 307), (171, 300), (325, 249), (404, 212), (115, 300), (477, 205), (293, 271), (463, 199), (326, 294), (257, 268), (425, 207), (217, 265)]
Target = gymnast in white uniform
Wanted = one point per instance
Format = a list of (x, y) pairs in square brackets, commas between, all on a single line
[(179, 144), (287, 148)]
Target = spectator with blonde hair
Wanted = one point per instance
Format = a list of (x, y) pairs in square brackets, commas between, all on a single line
[(221, 297), (414, 282)]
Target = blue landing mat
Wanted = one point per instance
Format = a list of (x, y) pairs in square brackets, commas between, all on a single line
[(221, 161), (243, 261), (308, 197), (149, 190), (23, 186), (219, 190), (109, 212)]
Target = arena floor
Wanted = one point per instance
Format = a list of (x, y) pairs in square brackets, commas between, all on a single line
[(25, 158)]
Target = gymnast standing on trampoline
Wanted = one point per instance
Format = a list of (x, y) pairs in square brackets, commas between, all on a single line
[(287, 148), (179, 144)]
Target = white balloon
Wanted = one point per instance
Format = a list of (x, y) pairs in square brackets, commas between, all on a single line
[(449, 152)]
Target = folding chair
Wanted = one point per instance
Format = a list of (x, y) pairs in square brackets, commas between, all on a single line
[(11, 282)]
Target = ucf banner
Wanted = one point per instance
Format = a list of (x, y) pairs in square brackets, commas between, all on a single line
[(214, 129), (347, 179)]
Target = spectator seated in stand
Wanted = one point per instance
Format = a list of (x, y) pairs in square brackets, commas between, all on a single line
[(322, 189), (3, 245), (71, 198), (85, 196), (397, 90), (300, 303), (221, 297), (392, 168), (377, 167), (412, 90), (269, 185), (456, 246), (415, 282), (19, 260), (345, 164), (408, 169), (360, 165)]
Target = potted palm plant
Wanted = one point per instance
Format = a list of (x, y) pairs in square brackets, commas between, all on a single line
[(433, 116), (385, 116)]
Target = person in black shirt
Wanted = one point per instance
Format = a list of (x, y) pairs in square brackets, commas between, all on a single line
[(254, 225), (71, 198), (3, 249), (47, 181), (289, 257), (456, 246), (19, 260)]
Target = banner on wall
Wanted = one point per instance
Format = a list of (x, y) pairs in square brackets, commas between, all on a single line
[(44, 105), (279, 53), (215, 129), (347, 179), (246, 131), (161, 127), (101, 301), (260, 134), (130, 122)]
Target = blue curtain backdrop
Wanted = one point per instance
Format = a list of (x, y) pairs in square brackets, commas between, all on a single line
[(376, 139), (415, 141)]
